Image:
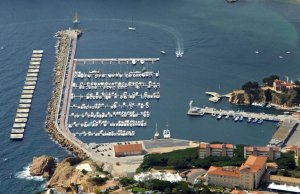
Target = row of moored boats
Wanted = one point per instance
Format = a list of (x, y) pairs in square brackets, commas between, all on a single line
[(106, 123), (113, 106), (123, 114), (102, 133)]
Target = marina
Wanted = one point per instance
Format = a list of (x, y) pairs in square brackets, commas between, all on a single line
[(121, 95), (18, 129)]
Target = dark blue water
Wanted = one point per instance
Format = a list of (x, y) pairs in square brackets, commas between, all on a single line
[(218, 39)]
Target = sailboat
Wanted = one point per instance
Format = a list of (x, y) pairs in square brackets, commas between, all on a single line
[(131, 28), (156, 134), (75, 19)]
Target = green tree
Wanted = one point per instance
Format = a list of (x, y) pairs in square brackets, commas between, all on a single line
[(269, 80), (126, 181), (286, 161), (297, 82), (250, 86)]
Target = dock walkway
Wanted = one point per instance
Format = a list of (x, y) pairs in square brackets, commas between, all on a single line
[(119, 60), (18, 129), (196, 111)]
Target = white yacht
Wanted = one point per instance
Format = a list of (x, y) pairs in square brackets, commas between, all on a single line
[(133, 61), (142, 62), (179, 54), (163, 52), (166, 133)]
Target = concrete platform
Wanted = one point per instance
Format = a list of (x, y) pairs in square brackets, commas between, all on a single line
[(32, 74), (28, 92), (30, 83), (33, 70), (36, 59), (22, 115), (34, 67), (23, 110), (37, 51), (24, 105), (17, 131), (37, 55), (29, 87), (19, 125), (31, 78), (35, 63), (16, 136), (26, 96), (25, 101), (20, 120)]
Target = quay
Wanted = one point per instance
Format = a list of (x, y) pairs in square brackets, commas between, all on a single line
[(119, 60), (288, 131), (283, 134), (196, 111), (18, 129)]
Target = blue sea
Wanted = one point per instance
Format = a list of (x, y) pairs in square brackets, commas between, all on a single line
[(219, 42)]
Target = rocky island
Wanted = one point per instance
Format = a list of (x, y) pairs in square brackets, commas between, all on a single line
[(275, 92)]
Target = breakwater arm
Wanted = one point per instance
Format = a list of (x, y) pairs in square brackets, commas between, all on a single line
[(65, 51)]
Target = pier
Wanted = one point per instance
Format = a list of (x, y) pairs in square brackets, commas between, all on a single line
[(18, 129), (118, 60), (196, 111)]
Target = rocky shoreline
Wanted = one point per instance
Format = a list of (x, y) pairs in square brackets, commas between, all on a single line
[(64, 41), (264, 95)]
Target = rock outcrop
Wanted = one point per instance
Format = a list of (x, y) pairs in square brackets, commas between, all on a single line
[(288, 98), (66, 177), (43, 166)]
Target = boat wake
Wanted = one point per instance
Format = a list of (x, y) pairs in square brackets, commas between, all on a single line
[(169, 30), (25, 174)]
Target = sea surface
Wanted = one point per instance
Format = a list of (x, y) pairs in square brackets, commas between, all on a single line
[(219, 41)]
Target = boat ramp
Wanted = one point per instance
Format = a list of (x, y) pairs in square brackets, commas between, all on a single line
[(18, 129)]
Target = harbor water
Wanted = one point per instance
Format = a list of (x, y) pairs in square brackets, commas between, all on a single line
[(218, 39)]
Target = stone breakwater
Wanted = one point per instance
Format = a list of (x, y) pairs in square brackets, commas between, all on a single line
[(63, 49)]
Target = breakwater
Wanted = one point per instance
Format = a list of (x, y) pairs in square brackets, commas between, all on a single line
[(66, 40)]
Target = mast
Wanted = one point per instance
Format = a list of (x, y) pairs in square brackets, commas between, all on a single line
[(76, 20)]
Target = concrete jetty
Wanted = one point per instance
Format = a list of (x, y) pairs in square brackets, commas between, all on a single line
[(284, 133), (118, 60), (18, 129), (196, 111)]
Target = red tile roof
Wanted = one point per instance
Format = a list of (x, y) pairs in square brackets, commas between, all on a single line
[(128, 148), (224, 171), (235, 191), (260, 148), (215, 146), (254, 163)]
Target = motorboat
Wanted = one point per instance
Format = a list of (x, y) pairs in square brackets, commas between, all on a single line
[(163, 52), (166, 133)]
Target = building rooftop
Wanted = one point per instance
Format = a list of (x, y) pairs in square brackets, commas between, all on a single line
[(235, 191), (287, 180), (284, 83), (254, 163), (128, 148), (203, 145), (261, 148), (224, 171), (286, 188)]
